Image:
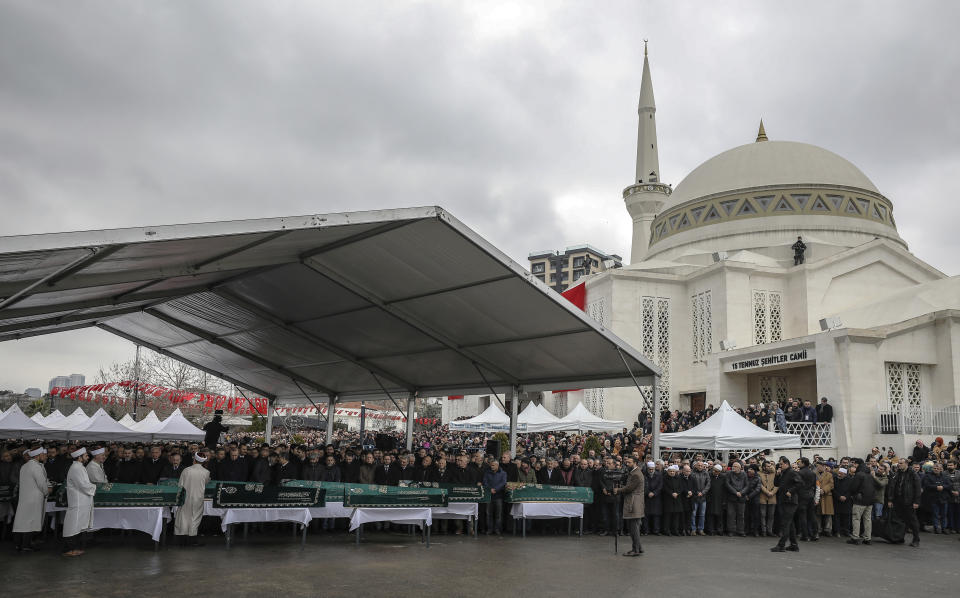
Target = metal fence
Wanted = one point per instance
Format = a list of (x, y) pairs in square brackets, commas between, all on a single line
[(812, 434), (918, 419)]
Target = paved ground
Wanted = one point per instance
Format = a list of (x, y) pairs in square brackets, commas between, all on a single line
[(396, 565)]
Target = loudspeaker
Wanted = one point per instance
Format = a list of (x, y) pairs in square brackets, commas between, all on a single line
[(493, 448), (385, 442)]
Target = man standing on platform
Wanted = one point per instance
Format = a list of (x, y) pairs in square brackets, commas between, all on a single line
[(32, 500), (80, 491), (95, 466), (193, 480), (213, 430), (633, 503)]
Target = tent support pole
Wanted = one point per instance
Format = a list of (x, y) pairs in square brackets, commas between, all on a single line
[(514, 399), (331, 409), (269, 429), (411, 405), (655, 429)]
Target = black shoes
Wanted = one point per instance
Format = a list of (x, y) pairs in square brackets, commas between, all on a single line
[(778, 548), (793, 548), (852, 541), (915, 543)]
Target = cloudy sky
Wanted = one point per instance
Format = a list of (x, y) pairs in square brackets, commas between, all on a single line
[(519, 118)]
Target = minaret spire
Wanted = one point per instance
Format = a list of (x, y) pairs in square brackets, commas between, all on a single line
[(761, 134), (646, 196), (648, 162)]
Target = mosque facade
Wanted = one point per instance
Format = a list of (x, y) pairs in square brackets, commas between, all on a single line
[(721, 296)]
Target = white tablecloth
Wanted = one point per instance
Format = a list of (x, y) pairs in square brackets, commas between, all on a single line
[(408, 516), (144, 519), (294, 515), (546, 510), (456, 510), (332, 510)]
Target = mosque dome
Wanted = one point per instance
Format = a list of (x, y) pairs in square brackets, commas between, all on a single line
[(763, 195), (769, 164)]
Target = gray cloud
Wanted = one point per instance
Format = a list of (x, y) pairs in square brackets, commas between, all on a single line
[(519, 118)]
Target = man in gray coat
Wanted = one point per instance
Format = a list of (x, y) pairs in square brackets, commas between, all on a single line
[(735, 484), (632, 493)]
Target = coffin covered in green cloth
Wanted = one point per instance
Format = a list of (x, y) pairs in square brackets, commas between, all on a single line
[(336, 491), (240, 495), (7, 493), (545, 493), (130, 495), (207, 492), (394, 497), (456, 493)]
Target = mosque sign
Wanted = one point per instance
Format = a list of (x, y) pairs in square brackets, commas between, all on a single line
[(782, 359)]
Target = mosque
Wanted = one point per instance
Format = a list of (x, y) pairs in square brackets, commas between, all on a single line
[(721, 296)]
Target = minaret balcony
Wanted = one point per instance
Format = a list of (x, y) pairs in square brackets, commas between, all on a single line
[(647, 188)]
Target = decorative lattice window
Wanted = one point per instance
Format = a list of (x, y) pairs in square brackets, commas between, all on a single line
[(598, 311), (773, 388), (702, 326), (655, 343), (560, 404), (776, 321), (594, 399), (904, 389), (767, 317)]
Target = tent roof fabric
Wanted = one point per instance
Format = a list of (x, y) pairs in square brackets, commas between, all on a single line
[(493, 419), (412, 301), (728, 430), (15, 424), (149, 423), (176, 427), (579, 418)]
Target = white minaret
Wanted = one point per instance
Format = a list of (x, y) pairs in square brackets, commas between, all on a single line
[(646, 196)]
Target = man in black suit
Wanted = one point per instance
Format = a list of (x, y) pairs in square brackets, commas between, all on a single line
[(232, 469), (128, 468), (388, 474), (173, 468), (550, 474), (788, 496), (824, 411), (152, 466)]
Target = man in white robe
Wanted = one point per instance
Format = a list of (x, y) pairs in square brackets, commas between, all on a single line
[(95, 466), (193, 480), (32, 501), (80, 491)]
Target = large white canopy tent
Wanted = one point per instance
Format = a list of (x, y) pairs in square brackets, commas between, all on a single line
[(727, 430), (15, 424), (493, 419), (579, 419), (413, 303), (98, 427)]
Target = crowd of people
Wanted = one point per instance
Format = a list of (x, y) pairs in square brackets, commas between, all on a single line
[(696, 495)]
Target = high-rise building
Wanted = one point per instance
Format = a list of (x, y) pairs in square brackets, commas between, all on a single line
[(33, 393), (562, 270), (67, 381)]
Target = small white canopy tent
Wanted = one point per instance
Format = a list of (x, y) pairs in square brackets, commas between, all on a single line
[(148, 424), (38, 417), (491, 420), (53, 420), (100, 426), (537, 419), (76, 419), (579, 419), (128, 421), (176, 427), (728, 430), (15, 424)]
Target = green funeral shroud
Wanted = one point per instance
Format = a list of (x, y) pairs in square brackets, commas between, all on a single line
[(233, 495), (208, 492), (456, 493), (544, 493), (130, 495), (394, 497), (335, 490), (6, 492)]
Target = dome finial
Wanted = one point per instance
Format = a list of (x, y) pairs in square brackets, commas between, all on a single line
[(644, 47), (762, 134)]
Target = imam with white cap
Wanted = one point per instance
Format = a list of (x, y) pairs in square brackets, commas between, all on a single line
[(721, 296)]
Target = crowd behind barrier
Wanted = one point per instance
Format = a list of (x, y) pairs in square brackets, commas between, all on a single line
[(683, 496)]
